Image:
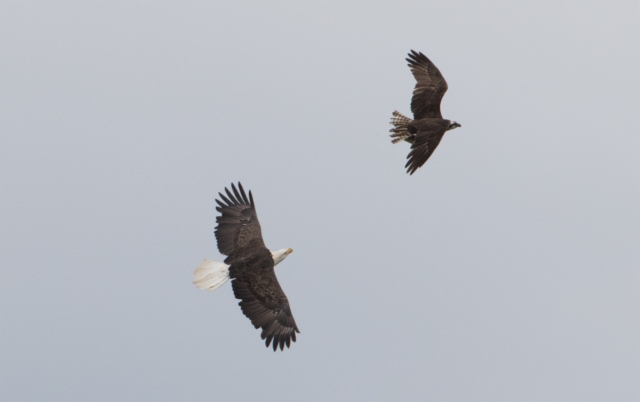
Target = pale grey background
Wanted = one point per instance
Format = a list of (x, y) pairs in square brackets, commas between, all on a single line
[(506, 269)]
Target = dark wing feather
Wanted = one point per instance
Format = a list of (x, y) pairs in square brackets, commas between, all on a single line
[(238, 225), (262, 299), (427, 139), (430, 87)]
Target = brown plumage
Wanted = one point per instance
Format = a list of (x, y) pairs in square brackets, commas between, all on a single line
[(427, 127), (251, 268)]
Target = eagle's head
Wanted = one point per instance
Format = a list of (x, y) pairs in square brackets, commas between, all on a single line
[(280, 255), (453, 125)]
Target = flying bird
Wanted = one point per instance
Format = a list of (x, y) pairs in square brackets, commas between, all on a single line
[(426, 129), (250, 266)]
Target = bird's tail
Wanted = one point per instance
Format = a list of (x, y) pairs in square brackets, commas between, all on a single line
[(400, 131), (211, 275)]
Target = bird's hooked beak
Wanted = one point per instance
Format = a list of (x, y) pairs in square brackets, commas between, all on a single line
[(454, 125), (289, 251)]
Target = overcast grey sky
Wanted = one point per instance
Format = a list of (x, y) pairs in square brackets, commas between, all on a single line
[(505, 269)]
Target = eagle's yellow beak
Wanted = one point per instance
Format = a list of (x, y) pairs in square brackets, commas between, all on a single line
[(289, 251)]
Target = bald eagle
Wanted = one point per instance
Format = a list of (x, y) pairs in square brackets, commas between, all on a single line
[(427, 128), (250, 265)]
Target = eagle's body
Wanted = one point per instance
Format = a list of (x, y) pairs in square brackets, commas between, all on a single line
[(250, 265), (427, 127)]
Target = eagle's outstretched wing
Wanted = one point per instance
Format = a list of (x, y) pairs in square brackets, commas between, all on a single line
[(263, 301), (252, 268), (238, 226), (430, 87), (430, 132)]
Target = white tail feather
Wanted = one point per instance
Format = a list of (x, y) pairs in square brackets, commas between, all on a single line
[(211, 275)]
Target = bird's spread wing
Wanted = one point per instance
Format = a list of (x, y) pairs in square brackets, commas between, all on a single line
[(430, 87), (264, 302), (238, 225), (427, 139), (251, 267)]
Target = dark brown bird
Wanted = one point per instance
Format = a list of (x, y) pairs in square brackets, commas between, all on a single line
[(250, 265), (427, 128)]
